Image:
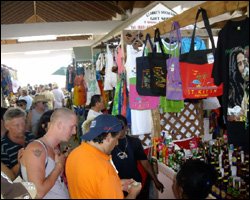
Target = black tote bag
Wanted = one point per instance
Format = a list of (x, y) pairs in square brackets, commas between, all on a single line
[(158, 68), (143, 71)]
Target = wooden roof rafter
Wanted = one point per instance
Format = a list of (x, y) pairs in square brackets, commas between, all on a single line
[(213, 8), (95, 10)]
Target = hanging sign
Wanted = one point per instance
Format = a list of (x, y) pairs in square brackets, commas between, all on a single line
[(157, 14)]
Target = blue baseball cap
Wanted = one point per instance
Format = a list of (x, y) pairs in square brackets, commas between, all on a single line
[(102, 124)]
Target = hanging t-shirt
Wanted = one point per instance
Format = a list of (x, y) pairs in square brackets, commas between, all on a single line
[(92, 85), (119, 60), (137, 116), (80, 91), (199, 44), (231, 67), (110, 79)]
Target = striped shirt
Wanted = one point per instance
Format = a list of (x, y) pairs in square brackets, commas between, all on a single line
[(9, 149)]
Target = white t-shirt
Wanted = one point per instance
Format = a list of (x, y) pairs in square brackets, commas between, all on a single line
[(93, 114), (28, 99), (59, 96)]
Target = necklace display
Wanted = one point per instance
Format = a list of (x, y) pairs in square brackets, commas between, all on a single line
[(122, 154)]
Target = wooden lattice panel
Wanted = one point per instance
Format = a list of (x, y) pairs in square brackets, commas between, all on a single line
[(185, 124), (145, 140)]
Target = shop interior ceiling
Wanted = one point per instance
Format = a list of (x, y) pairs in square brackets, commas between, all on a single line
[(75, 23)]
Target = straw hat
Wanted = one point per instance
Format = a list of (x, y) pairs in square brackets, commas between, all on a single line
[(40, 98)]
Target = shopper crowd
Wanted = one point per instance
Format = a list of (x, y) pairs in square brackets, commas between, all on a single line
[(104, 165)]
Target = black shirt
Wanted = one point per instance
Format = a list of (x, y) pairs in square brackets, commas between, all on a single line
[(127, 167), (9, 149), (232, 38)]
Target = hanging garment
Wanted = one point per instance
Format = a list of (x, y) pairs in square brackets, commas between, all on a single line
[(6, 83), (70, 77), (92, 85), (137, 116), (236, 86), (80, 91), (199, 44), (110, 79), (119, 61), (165, 104)]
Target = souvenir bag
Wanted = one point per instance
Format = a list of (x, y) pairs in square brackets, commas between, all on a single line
[(158, 70), (174, 84), (139, 102), (196, 68), (143, 71)]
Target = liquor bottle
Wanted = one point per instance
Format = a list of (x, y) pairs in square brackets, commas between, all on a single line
[(224, 188)]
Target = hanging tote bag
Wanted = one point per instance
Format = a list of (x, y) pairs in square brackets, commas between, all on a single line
[(158, 69), (196, 68), (143, 71), (174, 84)]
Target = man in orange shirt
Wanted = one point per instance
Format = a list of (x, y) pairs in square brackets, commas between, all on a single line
[(89, 170)]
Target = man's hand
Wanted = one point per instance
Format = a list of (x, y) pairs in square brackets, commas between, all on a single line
[(159, 186), (126, 183)]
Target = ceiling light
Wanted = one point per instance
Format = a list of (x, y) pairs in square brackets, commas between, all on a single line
[(37, 38)]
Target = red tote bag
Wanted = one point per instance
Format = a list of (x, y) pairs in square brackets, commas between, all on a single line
[(196, 68)]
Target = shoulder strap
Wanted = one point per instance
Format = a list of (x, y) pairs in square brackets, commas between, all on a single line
[(46, 150)]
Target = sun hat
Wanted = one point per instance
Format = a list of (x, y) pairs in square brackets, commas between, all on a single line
[(40, 98)]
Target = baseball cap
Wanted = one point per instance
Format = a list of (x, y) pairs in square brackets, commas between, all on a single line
[(104, 123)]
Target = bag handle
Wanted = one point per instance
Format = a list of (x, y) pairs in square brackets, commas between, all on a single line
[(207, 26), (148, 39), (175, 29), (157, 38)]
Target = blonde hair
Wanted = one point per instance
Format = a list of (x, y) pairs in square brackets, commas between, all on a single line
[(86, 125)]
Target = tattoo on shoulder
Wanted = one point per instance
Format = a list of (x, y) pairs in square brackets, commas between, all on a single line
[(37, 152)]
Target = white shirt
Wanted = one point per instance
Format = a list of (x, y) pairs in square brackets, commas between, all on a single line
[(59, 96), (93, 114), (28, 99)]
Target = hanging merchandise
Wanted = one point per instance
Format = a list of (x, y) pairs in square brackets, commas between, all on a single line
[(92, 85), (119, 60), (158, 69), (139, 102), (174, 84), (143, 71), (231, 67), (70, 77), (110, 79), (6, 83), (167, 105), (80, 91), (137, 116), (196, 68), (136, 100), (199, 44), (121, 103)]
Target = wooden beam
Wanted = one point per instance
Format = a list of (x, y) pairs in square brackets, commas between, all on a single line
[(8, 42), (213, 8), (34, 19)]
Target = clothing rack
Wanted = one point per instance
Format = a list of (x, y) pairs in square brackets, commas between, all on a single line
[(9, 68)]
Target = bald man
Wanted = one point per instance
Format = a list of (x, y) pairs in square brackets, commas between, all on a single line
[(42, 163)]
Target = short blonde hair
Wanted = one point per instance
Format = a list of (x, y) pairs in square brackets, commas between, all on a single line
[(12, 113)]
